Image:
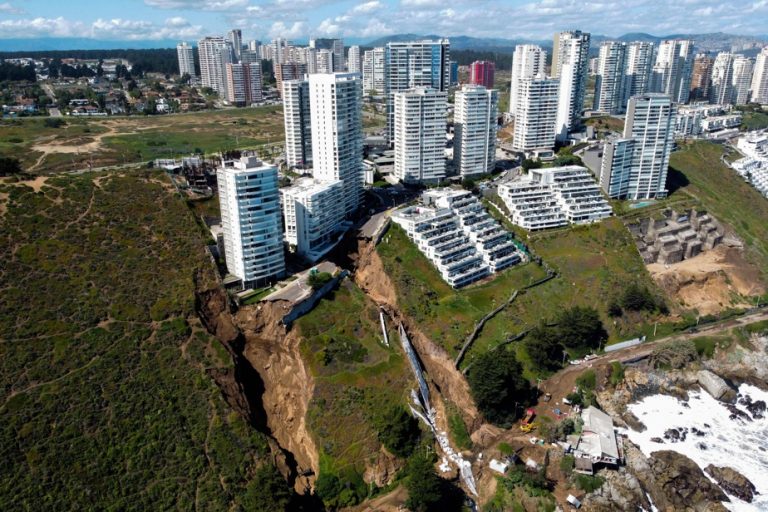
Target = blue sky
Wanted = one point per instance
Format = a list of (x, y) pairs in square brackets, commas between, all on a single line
[(368, 19)]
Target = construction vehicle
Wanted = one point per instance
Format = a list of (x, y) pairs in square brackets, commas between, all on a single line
[(527, 424)]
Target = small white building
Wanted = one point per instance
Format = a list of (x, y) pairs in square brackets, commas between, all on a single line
[(548, 198), (313, 213)]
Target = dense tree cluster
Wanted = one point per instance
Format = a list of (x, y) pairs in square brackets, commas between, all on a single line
[(398, 431), (15, 72), (155, 60), (498, 386)]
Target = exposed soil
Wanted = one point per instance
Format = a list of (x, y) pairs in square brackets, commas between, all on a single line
[(712, 281)]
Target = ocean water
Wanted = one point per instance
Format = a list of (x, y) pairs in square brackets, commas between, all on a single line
[(721, 439)]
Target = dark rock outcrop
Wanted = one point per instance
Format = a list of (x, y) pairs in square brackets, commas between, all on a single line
[(679, 484), (732, 482)]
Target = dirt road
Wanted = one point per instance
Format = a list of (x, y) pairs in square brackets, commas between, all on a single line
[(563, 382)]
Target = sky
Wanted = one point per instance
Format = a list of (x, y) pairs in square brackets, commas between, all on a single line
[(364, 20)]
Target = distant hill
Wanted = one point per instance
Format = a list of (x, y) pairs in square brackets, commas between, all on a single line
[(706, 42)]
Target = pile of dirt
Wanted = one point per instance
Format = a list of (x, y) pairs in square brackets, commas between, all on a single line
[(712, 281)]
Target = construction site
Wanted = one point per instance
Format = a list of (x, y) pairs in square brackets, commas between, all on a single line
[(676, 236)]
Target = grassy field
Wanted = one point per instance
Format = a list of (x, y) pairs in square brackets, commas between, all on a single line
[(356, 377), (105, 399), (118, 140), (697, 169), (754, 120), (594, 262)]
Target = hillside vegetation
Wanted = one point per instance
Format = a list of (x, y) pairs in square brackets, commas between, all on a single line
[(105, 401)]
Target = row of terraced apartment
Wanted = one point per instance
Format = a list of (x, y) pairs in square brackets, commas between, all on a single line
[(754, 166), (455, 232), (554, 197)]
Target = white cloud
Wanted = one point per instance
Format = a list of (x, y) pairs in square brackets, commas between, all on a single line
[(295, 30), (367, 7), (7, 8), (422, 3), (199, 5), (41, 27)]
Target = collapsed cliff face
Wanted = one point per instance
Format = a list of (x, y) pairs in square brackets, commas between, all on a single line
[(372, 278), (288, 386)]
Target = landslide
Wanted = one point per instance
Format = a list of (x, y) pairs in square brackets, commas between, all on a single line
[(371, 277), (268, 384)]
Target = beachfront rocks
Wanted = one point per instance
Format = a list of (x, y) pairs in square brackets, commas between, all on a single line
[(715, 386), (756, 409), (620, 491), (733, 482), (679, 484)]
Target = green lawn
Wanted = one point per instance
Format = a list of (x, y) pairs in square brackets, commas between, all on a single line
[(122, 140), (105, 398), (754, 120), (698, 168)]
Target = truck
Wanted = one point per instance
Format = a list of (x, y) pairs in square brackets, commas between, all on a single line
[(527, 424)]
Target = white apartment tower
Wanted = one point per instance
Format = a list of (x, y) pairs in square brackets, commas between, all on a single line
[(250, 220), (475, 113), (337, 133), (354, 62), (335, 46), (759, 88), (528, 61), (414, 64), (536, 113), (215, 54), (324, 61), (635, 166), (639, 67), (313, 212), (373, 70), (610, 83), (570, 59), (420, 122), (673, 69), (243, 84), (742, 79), (186, 59), (721, 90), (298, 127)]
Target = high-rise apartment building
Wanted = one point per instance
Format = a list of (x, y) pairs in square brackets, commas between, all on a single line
[(354, 61), (528, 61), (298, 127), (373, 70), (186, 57), (250, 221), (610, 82), (639, 67), (482, 72), (412, 64), (420, 123), (721, 91), (324, 61), (248, 56), (235, 38), (475, 122), (570, 58), (673, 68), (215, 54), (288, 71), (535, 113), (335, 46), (759, 87), (742, 79), (337, 133), (635, 166), (701, 77), (313, 212), (243, 84), (453, 73)]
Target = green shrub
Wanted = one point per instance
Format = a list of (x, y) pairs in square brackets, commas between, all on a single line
[(587, 381), (318, 279), (459, 432), (567, 464), (497, 385), (589, 483), (398, 430), (617, 374)]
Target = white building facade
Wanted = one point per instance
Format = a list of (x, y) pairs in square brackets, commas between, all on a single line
[(337, 133), (570, 60), (536, 113), (250, 220), (673, 69), (373, 71), (639, 67), (610, 83), (528, 61), (313, 213), (475, 124), (759, 88), (420, 127), (297, 123), (186, 57), (635, 166), (215, 54)]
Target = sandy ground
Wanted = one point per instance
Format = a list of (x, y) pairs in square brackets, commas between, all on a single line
[(710, 282)]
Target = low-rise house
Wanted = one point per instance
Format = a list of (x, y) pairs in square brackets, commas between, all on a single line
[(597, 444)]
